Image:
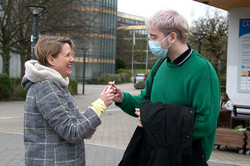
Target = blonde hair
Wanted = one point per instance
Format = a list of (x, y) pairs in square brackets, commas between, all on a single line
[(168, 21), (50, 46)]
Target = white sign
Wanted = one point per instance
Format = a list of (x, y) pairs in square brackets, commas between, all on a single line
[(244, 56)]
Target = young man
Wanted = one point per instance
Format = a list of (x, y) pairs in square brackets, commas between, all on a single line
[(184, 78)]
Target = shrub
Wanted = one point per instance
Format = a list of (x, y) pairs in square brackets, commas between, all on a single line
[(120, 64), (93, 81), (125, 77), (140, 85), (5, 88), (121, 77), (11, 88), (17, 91), (73, 86), (125, 74), (105, 78)]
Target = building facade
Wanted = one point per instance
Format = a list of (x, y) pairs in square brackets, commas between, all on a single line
[(238, 53), (132, 41), (99, 45)]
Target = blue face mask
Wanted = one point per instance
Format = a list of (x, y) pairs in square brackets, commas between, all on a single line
[(155, 48)]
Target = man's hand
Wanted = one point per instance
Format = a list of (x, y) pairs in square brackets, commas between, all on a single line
[(137, 112), (118, 95)]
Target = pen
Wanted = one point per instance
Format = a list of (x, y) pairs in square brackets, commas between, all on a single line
[(110, 86)]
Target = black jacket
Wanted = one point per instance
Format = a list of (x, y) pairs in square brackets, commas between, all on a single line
[(164, 140)]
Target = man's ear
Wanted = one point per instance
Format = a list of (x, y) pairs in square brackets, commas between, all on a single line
[(51, 61), (173, 37)]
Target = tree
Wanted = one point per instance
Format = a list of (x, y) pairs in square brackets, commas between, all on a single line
[(64, 17), (214, 44), (124, 46), (20, 42), (9, 26), (119, 64)]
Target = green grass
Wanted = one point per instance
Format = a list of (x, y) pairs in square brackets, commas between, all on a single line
[(137, 71)]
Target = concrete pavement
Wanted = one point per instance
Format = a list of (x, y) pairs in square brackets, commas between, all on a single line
[(107, 145)]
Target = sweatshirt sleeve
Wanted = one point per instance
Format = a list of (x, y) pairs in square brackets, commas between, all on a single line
[(205, 99), (99, 107), (130, 102)]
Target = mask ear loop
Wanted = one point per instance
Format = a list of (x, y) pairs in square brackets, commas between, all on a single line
[(165, 39)]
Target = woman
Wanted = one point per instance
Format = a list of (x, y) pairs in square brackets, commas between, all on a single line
[(54, 128), (226, 103)]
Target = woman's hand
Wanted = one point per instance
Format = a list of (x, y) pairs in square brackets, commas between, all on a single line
[(90, 134), (118, 95), (107, 96)]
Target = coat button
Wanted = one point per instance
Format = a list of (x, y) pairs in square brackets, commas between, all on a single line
[(188, 137)]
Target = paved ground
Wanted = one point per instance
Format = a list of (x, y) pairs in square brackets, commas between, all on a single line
[(107, 145)]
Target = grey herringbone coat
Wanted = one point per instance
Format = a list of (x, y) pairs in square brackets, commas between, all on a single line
[(54, 128)]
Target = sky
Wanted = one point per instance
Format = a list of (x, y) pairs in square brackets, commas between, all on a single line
[(188, 8)]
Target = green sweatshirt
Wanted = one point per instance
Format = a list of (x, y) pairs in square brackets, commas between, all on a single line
[(193, 84)]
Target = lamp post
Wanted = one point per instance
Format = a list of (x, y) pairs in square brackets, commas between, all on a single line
[(83, 72), (134, 71), (133, 57), (35, 11), (199, 36)]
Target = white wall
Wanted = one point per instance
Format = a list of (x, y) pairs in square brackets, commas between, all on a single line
[(235, 14), (15, 65), (1, 62)]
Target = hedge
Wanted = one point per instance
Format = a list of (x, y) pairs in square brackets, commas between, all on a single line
[(122, 77), (5, 87), (11, 88), (17, 91), (73, 86)]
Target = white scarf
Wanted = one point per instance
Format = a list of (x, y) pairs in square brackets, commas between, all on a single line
[(36, 72)]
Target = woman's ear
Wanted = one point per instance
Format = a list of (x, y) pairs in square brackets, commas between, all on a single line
[(51, 61)]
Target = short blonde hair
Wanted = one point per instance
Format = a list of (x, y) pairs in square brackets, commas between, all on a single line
[(50, 46), (168, 21)]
